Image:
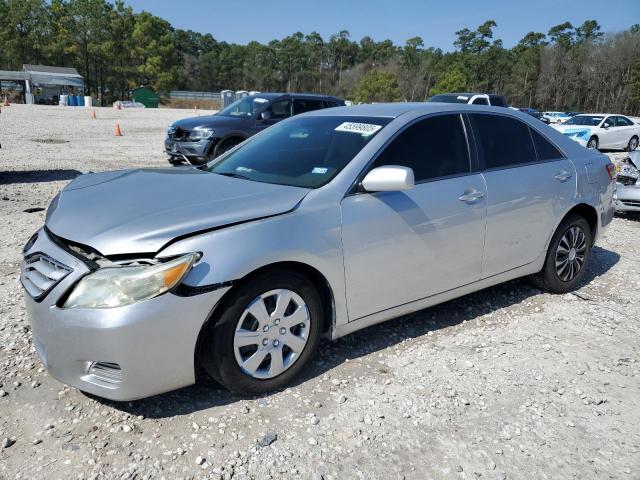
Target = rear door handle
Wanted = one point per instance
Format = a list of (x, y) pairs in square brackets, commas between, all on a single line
[(471, 195), (562, 176)]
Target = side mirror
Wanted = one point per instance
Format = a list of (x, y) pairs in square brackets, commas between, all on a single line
[(264, 115), (392, 178)]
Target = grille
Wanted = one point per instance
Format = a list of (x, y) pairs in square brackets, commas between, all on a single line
[(631, 203), (626, 181), (106, 372), (41, 273)]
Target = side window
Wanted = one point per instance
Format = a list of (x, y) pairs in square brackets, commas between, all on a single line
[(280, 109), (503, 141), (623, 122), (433, 147), (306, 105), (480, 101), (609, 122), (544, 148)]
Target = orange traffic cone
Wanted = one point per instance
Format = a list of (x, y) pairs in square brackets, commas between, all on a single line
[(6, 102), (93, 114), (118, 131)]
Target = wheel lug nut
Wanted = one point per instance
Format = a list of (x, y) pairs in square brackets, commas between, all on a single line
[(277, 321), (265, 341), (276, 343), (283, 331), (265, 328)]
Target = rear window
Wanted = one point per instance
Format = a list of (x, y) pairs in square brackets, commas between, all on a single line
[(305, 151), (544, 148), (503, 141), (306, 105)]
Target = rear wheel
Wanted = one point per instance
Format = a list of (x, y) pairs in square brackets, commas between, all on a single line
[(593, 142), (633, 144), (567, 256), (267, 332)]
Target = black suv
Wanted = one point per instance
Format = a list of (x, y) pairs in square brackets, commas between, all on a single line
[(200, 139)]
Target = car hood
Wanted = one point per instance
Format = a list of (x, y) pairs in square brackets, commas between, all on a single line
[(139, 211), (208, 121)]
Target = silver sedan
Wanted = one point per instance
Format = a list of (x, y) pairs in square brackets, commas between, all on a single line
[(324, 224)]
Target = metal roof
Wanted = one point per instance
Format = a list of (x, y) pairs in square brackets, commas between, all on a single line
[(12, 75), (65, 71)]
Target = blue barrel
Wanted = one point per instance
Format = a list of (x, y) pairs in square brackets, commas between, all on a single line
[(80, 100), (73, 101)]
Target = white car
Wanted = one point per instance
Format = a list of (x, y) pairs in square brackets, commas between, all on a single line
[(602, 131), (556, 117)]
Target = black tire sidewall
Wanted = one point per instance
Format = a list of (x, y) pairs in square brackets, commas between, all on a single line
[(551, 278), (221, 363), (596, 142), (223, 146), (629, 149)]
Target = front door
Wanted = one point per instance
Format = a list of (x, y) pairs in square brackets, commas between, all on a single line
[(404, 246)]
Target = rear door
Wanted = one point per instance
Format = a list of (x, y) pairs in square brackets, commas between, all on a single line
[(627, 130), (277, 111), (404, 246), (530, 186)]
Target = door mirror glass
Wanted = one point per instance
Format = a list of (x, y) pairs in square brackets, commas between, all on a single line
[(390, 178)]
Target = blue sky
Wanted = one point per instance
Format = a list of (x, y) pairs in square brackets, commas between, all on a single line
[(240, 21)]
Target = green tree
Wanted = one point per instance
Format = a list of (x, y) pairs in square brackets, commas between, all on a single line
[(453, 80), (377, 86), (153, 52)]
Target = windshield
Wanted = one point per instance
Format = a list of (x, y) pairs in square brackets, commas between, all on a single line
[(245, 107), (303, 151), (591, 120), (449, 98)]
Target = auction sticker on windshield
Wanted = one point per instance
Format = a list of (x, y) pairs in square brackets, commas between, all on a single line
[(364, 129)]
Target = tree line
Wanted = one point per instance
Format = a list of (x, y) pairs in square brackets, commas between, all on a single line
[(567, 68)]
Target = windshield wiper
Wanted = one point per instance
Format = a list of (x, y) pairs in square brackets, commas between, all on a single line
[(234, 175)]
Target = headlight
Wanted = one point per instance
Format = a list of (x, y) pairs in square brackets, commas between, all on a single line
[(627, 170), (200, 133), (112, 287)]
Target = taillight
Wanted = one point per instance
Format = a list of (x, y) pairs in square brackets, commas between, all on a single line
[(611, 170)]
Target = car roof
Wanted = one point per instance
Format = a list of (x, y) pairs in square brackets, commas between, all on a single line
[(295, 95), (599, 115), (394, 110)]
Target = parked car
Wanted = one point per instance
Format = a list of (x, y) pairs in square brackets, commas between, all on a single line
[(556, 117), (602, 131), (573, 114), (627, 194), (323, 224), (198, 140), (535, 114), (471, 99)]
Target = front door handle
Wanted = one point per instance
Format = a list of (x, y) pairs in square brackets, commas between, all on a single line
[(471, 195), (562, 176)]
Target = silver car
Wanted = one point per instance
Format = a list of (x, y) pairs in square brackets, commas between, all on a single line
[(323, 224)]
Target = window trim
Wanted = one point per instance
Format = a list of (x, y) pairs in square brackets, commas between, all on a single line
[(356, 186), (481, 159)]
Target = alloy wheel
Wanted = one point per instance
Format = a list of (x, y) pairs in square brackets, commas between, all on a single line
[(271, 333), (633, 144), (593, 143), (571, 254)]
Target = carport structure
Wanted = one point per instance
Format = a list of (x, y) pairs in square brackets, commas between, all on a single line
[(42, 84)]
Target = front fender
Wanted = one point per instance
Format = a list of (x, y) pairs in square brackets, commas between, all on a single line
[(311, 236)]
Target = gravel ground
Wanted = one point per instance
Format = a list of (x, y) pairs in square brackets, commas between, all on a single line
[(507, 383)]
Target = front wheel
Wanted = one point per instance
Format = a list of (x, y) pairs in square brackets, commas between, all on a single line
[(267, 332), (633, 144), (592, 143), (567, 256)]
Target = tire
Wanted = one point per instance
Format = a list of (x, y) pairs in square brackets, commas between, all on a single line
[(175, 161), (553, 278), (633, 144), (225, 146), (593, 142), (221, 355)]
